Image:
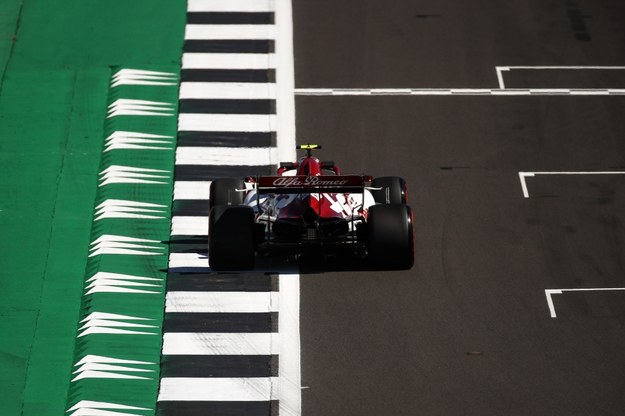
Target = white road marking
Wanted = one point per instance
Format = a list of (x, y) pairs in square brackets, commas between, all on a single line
[(227, 122), (230, 32), (181, 225), (290, 397), (228, 90), (213, 343), (222, 302), (456, 91), (188, 260), (230, 6), (195, 190), (550, 292), (501, 69), (127, 76), (523, 175), (203, 60), (219, 389), (226, 156), (88, 407)]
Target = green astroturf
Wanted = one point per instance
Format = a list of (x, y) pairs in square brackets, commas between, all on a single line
[(56, 58)]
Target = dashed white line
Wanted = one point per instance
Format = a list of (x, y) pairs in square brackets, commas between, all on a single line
[(456, 91)]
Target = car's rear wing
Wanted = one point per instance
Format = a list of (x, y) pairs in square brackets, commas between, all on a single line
[(311, 184)]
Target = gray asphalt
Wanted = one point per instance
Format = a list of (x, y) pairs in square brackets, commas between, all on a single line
[(468, 330)]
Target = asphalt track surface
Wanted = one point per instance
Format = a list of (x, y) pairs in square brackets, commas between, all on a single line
[(468, 330)]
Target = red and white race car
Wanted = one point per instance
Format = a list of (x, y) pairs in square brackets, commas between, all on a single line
[(309, 207)]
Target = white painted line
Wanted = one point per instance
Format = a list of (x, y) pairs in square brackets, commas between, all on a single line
[(456, 91), (550, 292), (212, 343), (230, 32), (500, 82), (226, 156), (222, 302), (523, 175), (227, 122), (230, 6), (285, 81), (501, 69), (228, 61), (289, 365), (218, 389), (228, 90), (88, 407), (193, 190), (196, 226), (561, 67), (290, 397), (188, 260)]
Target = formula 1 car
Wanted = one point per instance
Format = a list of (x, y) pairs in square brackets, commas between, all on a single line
[(309, 207)]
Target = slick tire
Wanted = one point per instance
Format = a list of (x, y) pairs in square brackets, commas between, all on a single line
[(223, 192), (393, 190), (231, 238), (390, 237)]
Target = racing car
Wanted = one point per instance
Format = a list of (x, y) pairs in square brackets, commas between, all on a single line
[(309, 208)]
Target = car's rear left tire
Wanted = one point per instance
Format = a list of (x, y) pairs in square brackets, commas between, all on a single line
[(231, 238), (390, 242), (223, 191)]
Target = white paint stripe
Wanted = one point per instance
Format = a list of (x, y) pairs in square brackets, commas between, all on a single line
[(550, 292), (226, 156), (290, 397), (189, 226), (191, 190), (569, 67), (523, 175), (230, 32), (228, 90), (211, 343), (228, 61), (227, 122), (289, 365), (182, 260), (230, 6), (226, 302), (218, 389), (499, 70), (456, 91), (285, 104)]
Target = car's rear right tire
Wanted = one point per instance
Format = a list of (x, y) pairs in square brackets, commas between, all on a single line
[(231, 238), (393, 190), (390, 242)]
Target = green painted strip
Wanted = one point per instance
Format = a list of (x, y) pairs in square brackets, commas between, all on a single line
[(118, 344), (56, 58)]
